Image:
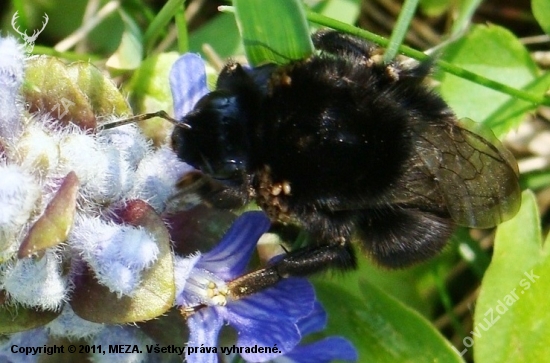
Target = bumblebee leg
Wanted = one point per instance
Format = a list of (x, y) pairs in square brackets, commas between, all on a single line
[(196, 188), (301, 262)]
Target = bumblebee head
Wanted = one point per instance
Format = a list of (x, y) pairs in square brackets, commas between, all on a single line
[(215, 140)]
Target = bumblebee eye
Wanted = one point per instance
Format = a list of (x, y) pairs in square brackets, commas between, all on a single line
[(219, 101), (217, 141)]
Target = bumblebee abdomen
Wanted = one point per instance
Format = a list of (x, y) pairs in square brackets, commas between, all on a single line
[(341, 138)]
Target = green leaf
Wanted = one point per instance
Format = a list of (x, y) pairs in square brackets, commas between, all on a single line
[(495, 53), (155, 293), (273, 30), (512, 112), (48, 87), (101, 92), (345, 11), (535, 180), (435, 8), (77, 93), (511, 322), (130, 50), (225, 46), (411, 286), (541, 11), (381, 328)]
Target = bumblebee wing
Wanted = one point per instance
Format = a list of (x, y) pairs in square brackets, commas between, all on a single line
[(476, 176)]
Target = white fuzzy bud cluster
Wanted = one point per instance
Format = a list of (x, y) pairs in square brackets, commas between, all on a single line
[(112, 167)]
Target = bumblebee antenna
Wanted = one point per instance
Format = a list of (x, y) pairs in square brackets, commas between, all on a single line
[(143, 117)]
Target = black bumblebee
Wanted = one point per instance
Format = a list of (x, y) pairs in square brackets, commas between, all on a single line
[(341, 144)]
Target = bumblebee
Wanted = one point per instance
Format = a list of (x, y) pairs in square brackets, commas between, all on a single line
[(345, 146)]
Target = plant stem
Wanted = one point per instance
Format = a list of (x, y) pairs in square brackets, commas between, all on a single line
[(400, 30), (158, 24)]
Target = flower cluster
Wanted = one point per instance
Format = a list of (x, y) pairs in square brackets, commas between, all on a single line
[(64, 182), (83, 247), (79, 224)]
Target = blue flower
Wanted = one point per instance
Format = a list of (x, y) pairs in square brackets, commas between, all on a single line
[(188, 83), (322, 351), (266, 319)]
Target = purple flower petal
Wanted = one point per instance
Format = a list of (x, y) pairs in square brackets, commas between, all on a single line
[(314, 322), (204, 327), (268, 318), (292, 298), (283, 335), (188, 83), (324, 351), (229, 258)]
